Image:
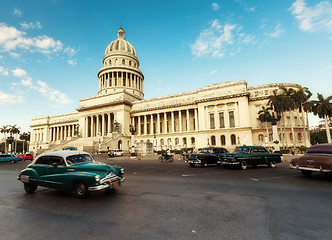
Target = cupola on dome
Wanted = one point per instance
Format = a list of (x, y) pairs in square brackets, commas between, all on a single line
[(120, 46)]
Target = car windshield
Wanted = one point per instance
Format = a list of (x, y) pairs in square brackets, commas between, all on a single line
[(241, 150), (207, 150), (73, 159), (319, 151)]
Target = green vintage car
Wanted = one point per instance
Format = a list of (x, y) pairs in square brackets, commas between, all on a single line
[(251, 155), (70, 170)]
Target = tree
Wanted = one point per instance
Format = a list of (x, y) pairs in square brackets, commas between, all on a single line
[(264, 115), (289, 101), (5, 130), (323, 108), (14, 130), (25, 137), (302, 100)]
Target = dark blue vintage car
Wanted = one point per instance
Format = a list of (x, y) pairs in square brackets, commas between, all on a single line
[(209, 155), (251, 155)]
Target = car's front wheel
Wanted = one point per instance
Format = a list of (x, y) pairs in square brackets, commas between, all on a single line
[(81, 190), (204, 163), (243, 165), (30, 188), (272, 164), (306, 173)]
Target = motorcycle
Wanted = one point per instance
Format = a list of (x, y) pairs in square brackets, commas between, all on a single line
[(165, 157)]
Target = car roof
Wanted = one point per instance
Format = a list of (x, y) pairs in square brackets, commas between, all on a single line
[(63, 154), (324, 145)]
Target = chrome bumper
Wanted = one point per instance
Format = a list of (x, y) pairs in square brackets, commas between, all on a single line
[(107, 184), (310, 169)]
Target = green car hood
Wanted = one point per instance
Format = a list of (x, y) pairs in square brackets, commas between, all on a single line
[(98, 168)]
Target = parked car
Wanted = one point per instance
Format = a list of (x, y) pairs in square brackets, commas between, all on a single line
[(318, 158), (70, 170), (251, 155), (26, 157), (9, 158), (210, 155), (116, 152)]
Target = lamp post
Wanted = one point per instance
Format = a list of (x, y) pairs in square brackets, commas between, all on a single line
[(275, 135), (132, 129)]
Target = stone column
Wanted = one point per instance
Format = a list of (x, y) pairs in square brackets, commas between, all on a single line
[(145, 125), (139, 125), (196, 119), (188, 126), (158, 123), (151, 125), (92, 126), (109, 124), (165, 122), (103, 125), (180, 121), (172, 122), (97, 126)]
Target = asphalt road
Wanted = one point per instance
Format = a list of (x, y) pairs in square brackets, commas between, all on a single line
[(172, 201)]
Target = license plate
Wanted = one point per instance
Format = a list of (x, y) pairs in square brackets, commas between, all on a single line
[(116, 183)]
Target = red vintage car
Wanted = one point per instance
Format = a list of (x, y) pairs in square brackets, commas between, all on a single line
[(318, 158), (26, 157)]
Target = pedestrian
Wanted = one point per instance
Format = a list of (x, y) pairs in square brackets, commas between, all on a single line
[(292, 151)]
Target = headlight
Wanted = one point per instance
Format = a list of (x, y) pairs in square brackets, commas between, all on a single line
[(122, 170), (97, 178)]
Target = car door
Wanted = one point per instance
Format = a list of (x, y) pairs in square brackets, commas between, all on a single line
[(40, 167), (54, 172), (254, 156)]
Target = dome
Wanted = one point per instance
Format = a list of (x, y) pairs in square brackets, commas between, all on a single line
[(120, 46)]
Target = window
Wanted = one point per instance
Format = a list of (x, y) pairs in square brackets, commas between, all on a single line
[(260, 138), (233, 139), (299, 136), (162, 142), (176, 141), (192, 140), (213, 140), (221, 120), (231, 119), (184, 140), (212, 126), (123, 62), (56, 160), (42, 160), (223, 140)]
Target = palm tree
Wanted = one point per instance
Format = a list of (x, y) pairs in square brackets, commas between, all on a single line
[(264, 115), (302, 100), (323, 108), (289, 105), (14, 131), (276, 101), (25, 137), (5, 130)]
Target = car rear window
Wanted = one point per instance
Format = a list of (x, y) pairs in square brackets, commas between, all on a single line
[(319, 151), (79, 158)]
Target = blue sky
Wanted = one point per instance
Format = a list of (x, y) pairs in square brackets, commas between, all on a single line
[(51, 51)]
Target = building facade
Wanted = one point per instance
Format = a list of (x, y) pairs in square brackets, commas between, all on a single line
[(223, 114)]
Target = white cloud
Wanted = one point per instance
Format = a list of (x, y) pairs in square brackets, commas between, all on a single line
[(3, 71), (218, 40), (313, 19), (70, 51), (41, 87), (13, 39), (277, 32), (213, 72), (7, 98), (72, 62), (18, 72), (17, 12), (215, 6), (31, 25)]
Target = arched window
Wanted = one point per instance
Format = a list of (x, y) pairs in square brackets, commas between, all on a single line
[(192, 140), (184, 140), (176, 141), (162, 142), (169, 141), (123, 61), (213, 140), (260, 138), (110, 62), (120, 145), (270, 137), (233, 139), (299, 137), (223, 140), (129, 63)]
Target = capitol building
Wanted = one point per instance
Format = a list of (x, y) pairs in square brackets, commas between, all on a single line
[(223, 114)]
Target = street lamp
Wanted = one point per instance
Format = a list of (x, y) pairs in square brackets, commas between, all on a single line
[(132, 129), (274, 120)]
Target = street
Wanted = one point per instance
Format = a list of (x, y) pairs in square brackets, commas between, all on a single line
[(170, 200)]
